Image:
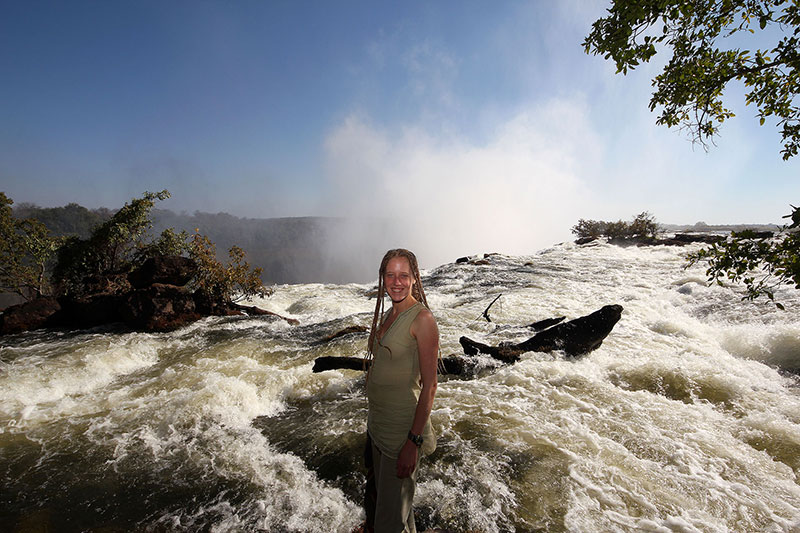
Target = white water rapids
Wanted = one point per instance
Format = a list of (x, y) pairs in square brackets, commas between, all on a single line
[(686, 419)]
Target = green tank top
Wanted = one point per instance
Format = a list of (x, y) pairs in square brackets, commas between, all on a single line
[(394, 385)]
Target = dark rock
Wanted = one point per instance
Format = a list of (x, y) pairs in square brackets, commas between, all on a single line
[(107, 284), (634, 241), (546, 323), (697, 237), (576, 337), (209, 307), (167, 270), (90, 311), (324, 363), (341, 333), (158, 303), (30, 315), (474, 260), (682, 239), (454, 365), (257, 311), (160, 307), (585, 240), (579, 336)]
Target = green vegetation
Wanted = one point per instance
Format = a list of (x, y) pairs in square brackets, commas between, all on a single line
[(115, 247), (642, 227), (761, 262), (26, 248), (218, 282), (690, 88), (70, 220), (689, 93), (102, 262)]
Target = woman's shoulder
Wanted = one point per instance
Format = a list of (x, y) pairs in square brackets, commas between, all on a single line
[(424, 312), (423, 320)]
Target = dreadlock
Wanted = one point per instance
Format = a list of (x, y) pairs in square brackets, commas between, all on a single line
[(416, 291)]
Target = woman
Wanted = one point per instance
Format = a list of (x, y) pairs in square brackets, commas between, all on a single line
[(401, 385)]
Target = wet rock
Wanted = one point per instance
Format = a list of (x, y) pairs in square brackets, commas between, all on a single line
[(474, 260), (576, 337), (546, 323), (30, 315), (326, 362), (107, 284), (682, 239), (257, 311), (160, 307), (698, 237), (167, 270), (341, 333), (90, 311)]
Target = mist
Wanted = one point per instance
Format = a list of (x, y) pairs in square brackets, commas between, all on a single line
[(518, 191)]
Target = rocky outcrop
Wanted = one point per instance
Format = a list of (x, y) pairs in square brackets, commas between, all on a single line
[(341, 333), (35, 314), (475, 260), (152, 298), (159, 307), (166, 269), (257, 311), (89, 311), (680, 239), (685, 238)]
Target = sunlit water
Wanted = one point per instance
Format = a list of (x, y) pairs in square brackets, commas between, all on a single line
[(686, 419)]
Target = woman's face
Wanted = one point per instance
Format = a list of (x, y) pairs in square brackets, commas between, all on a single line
[(398, 279)]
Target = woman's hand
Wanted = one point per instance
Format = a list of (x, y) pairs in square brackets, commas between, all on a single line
[(407, 460)]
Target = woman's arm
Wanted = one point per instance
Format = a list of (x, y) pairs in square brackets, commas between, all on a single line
[(427, 334)]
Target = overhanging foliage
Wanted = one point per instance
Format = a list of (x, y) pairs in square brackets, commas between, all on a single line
[(689, 90)]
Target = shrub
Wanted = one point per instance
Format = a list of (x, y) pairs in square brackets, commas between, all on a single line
[(114, 248), (643, 226), (220, 283), (26, 248)]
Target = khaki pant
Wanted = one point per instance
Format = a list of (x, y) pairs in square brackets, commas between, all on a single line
[(393, 505)]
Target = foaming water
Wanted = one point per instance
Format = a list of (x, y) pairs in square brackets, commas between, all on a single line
[(687, 418)]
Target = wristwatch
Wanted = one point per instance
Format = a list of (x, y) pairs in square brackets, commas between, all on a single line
[(416, 439)]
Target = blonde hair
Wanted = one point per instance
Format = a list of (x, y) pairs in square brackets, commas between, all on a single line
[(416, 291)]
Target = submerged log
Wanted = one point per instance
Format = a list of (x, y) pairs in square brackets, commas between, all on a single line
[(454, 365), (252, 310), (546, 323), (327, 362), (341, 333), (576, 337)]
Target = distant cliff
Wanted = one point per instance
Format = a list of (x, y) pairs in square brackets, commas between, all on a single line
[(290, 250)]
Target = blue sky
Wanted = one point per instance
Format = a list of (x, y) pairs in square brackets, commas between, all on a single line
[(482, 124)]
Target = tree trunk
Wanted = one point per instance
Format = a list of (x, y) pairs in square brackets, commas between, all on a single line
[(575, 338)]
